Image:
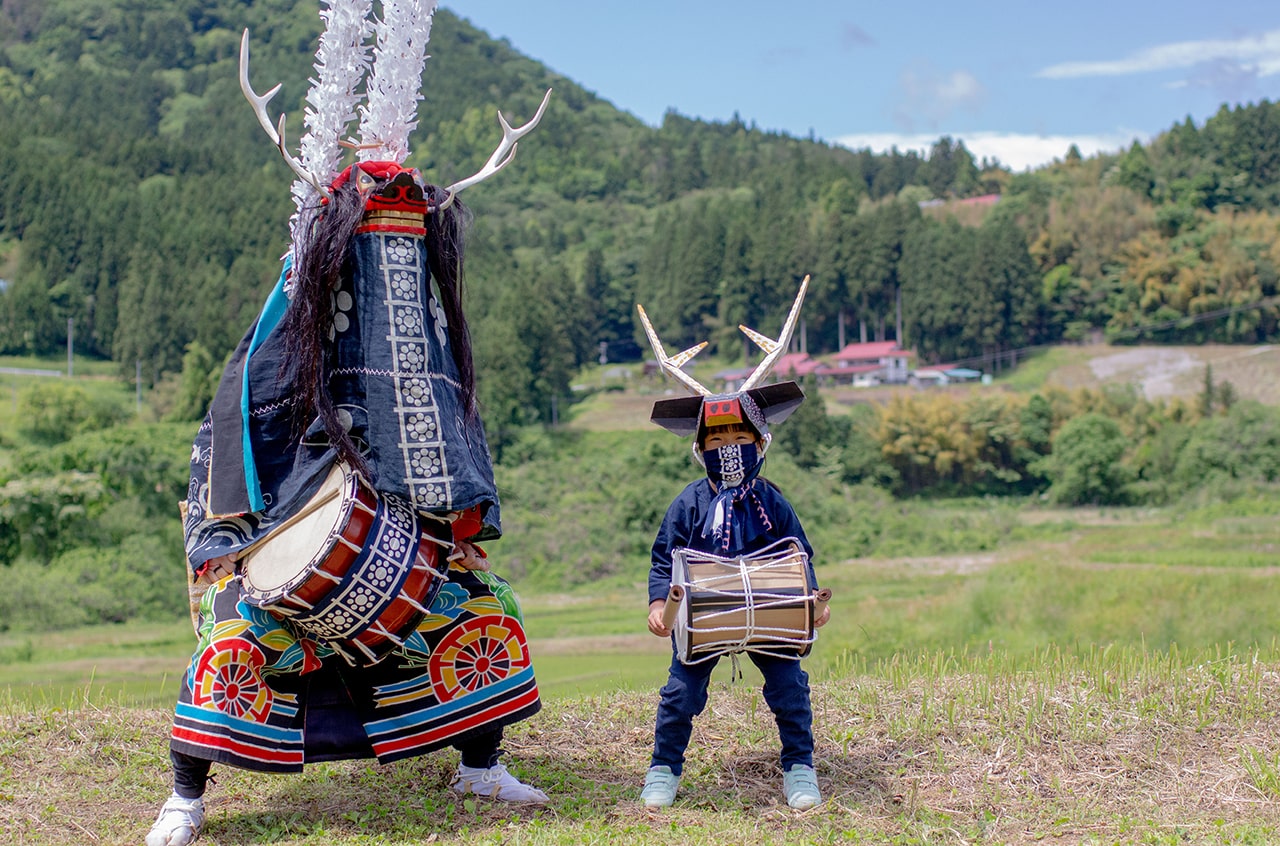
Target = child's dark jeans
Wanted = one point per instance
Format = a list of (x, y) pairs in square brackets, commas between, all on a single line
[(786, 691)]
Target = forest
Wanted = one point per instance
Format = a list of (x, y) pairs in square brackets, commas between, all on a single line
[(143, 208), (143, 203)]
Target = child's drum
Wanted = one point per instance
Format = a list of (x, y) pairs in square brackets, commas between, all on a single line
[(761, 602), (352, 568)]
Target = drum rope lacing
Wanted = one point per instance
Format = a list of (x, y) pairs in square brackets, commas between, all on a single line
[(786, 642)]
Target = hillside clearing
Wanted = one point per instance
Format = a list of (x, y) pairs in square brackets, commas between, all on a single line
[(1157, 372)]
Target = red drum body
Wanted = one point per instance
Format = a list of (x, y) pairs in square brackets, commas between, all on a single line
[(352, 568), (761, 602)]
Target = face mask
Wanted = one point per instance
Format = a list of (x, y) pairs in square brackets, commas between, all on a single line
[(732, 464)]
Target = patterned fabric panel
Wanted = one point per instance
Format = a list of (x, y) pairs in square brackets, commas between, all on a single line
[(392, 376), (465, 670)]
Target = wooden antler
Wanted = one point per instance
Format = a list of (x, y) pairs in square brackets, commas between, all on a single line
[(773, 349), (275, 133), (672, 364), (502, 156)]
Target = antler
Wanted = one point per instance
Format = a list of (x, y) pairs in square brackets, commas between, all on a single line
[(672, 364), (507, 149), (773, 349), (275, 133)]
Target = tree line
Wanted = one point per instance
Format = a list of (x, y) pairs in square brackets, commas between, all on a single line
[(143, 204)]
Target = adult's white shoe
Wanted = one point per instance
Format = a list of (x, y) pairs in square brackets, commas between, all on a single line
[(496, 783), (179, 822)]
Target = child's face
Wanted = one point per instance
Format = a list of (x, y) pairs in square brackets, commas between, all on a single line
[(724, 437)]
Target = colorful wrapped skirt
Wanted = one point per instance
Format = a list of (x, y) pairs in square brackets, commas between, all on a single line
[(259, 696)]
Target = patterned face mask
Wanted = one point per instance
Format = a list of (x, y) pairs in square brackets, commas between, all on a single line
[(732, 465), (737, 515)]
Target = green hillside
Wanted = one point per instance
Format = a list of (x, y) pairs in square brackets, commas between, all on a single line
[(1053, 614), (144, 208), (142, 202)]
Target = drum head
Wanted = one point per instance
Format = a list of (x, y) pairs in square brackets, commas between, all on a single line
[(288, 552)]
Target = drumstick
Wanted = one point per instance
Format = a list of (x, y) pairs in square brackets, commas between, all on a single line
[(820, 600), (672, 607)]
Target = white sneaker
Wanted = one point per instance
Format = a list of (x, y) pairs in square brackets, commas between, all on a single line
[(496, 783), (179, 822), (800, 786), (660, 786)]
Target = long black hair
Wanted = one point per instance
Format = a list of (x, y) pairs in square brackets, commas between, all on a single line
[(319, 260)]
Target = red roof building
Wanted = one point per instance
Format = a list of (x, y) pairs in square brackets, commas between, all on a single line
[(796, 366), (891, 361)]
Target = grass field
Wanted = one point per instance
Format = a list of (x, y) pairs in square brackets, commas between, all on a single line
[(1115, 745), (1199, 578), (1098, 676)]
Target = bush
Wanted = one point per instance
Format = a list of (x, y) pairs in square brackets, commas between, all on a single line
[(142, 578), (53, 412), (42, 516), (1243, 444), (147, 463), (1085, 466)]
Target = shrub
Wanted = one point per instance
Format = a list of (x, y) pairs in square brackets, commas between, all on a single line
[(54, 411), (1085, 466), (44, 515), (1242, 444), (141, 578)]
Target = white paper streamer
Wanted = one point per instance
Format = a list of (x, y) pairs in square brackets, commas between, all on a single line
[(390, 112), (342, 60)]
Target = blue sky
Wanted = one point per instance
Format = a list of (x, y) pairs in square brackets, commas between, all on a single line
[(1017, 81)]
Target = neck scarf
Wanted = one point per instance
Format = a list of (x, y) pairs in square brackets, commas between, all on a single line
[(737, 514)]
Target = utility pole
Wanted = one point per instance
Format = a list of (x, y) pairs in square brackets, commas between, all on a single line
[(898, 328)]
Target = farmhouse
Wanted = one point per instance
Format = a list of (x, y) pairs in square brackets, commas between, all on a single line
[(881, 361)]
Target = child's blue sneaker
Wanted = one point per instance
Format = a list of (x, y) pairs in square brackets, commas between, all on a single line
[(800, 786), (660, 786)]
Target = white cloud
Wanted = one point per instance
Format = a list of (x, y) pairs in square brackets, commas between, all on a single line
[(1014, 150), (925, 95), (1259, 53)]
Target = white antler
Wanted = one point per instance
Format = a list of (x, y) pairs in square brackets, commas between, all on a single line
[(773, 349), (672, 364), (275, 133), (503, 155)]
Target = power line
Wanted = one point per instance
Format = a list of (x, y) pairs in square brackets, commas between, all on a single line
[(1134, 331), (1192, 319)]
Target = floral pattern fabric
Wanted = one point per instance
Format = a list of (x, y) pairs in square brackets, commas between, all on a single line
[(245, 696)]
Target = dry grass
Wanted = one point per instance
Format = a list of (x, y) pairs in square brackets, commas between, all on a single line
[(1114, 747), (611, 411), (1165, 372)]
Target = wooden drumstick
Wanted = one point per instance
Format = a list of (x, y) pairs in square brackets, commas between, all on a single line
[(672, 606), (820, 600)]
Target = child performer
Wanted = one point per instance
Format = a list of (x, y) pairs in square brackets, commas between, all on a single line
[(732, 511)]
